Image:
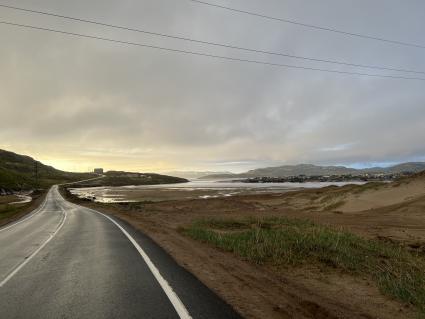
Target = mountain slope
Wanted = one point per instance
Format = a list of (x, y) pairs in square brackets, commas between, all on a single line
[(315, 170), (301, 169), (413, 167), (17, 172), (193, 174)]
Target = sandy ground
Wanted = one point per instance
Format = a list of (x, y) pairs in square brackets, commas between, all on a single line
[(353, 198), (389, 212)]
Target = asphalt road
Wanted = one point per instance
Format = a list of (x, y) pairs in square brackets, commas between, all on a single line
[(67, 261)]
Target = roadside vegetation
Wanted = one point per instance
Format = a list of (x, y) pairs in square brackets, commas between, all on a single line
[(6, 209), (10, 212), (283, 243)]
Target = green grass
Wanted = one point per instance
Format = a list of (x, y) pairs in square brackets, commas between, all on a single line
[(283, 242), (7, 211)]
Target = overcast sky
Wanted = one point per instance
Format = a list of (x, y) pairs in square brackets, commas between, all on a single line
[(80, 103)]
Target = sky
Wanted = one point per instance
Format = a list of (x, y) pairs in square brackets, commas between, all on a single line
[(78, 103)]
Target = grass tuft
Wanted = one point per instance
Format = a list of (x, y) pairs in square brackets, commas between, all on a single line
[(284, 242)]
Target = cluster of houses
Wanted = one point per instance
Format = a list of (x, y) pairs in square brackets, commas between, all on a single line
[(327, 178)]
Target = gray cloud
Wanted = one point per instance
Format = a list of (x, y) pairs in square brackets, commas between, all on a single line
[(95, 103)]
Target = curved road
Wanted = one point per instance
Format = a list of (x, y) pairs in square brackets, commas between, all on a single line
[(67, 261)]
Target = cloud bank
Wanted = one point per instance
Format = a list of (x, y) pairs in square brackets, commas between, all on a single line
[(79, 103)]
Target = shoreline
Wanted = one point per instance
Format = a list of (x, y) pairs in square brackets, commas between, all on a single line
[(192, 190)]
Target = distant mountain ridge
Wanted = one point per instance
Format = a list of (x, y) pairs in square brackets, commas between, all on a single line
[(194, 174), (316, 170)]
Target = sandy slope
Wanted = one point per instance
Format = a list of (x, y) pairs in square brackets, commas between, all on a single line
[(390, 194)]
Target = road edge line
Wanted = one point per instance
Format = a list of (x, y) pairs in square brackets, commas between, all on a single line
[(26, 261), (172, 296)]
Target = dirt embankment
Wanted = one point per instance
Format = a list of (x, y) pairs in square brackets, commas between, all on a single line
[(308, 292)]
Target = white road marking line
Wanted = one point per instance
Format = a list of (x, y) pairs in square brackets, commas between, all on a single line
[(172, 296), (175, 300), (34, 213), (26, 261)]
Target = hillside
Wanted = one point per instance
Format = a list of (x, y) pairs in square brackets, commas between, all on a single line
[(315, 170), (194, 174), (412, 167), (301, 169), (119, 178), (17, 172)]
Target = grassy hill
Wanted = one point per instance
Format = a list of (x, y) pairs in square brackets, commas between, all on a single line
[(119, 178), (17, 172)]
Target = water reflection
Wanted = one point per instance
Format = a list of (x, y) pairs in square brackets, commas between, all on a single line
[(191, 190)]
